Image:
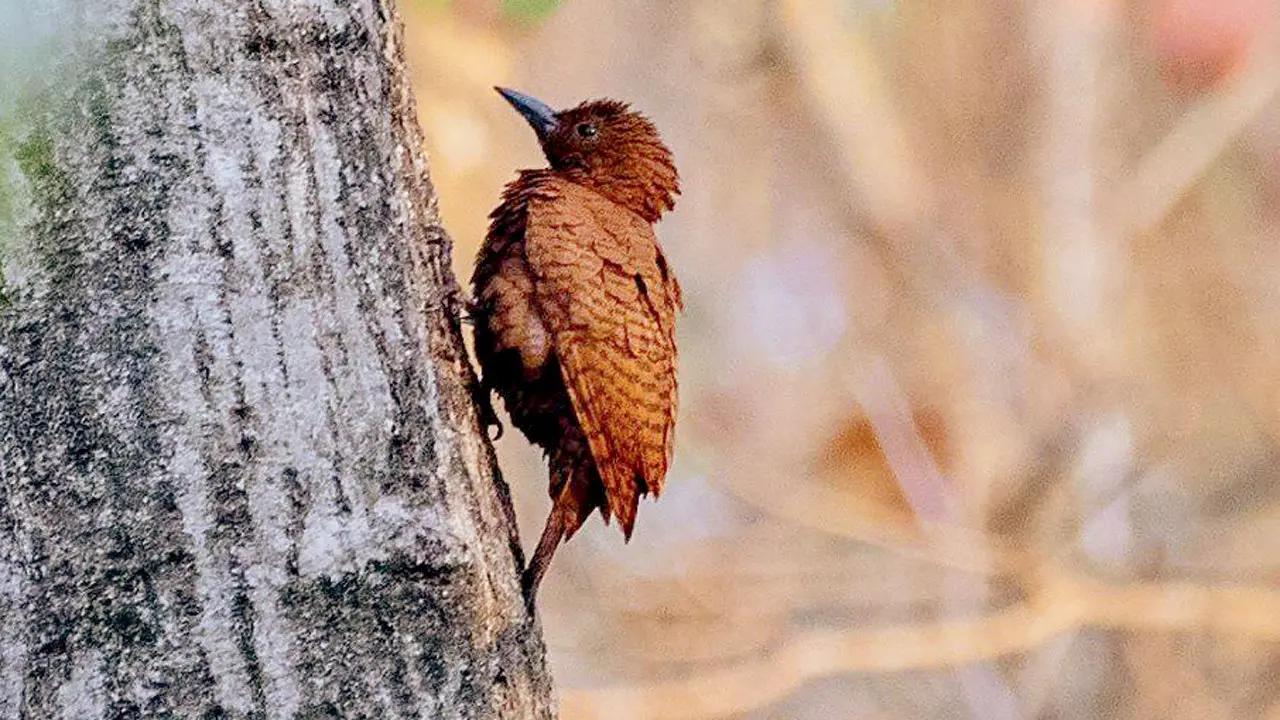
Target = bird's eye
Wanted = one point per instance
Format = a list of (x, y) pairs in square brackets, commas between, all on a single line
[(586, 130)]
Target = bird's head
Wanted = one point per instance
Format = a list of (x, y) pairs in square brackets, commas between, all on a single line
[(607, 146)]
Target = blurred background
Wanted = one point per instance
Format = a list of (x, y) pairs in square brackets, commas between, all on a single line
[(980, 365)]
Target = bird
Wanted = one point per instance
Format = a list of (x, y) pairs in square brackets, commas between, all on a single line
[(573, 308)]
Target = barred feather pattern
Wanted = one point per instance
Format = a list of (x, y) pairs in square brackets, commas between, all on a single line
[(575, 330)]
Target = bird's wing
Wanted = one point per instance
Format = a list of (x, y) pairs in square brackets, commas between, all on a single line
[(609, 300)]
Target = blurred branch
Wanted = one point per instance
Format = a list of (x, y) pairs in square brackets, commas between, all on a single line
[(1173, 166), (887, 408), (1082, 269), (1063, 602), (931, 497), (846, 87), (807, 506)]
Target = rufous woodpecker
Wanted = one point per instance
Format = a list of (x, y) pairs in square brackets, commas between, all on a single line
[(574, 309)]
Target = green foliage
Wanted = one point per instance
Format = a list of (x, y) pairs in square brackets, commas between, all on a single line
[(522, 11), (529, 11)]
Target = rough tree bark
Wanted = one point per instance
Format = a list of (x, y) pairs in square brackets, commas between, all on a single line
[(240, 471)]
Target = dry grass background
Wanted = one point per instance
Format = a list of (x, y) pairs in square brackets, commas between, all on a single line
[(981, 364)]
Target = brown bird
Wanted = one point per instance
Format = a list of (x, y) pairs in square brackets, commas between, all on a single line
[(574, 310)]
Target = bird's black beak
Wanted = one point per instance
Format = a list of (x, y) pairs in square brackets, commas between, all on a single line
[(537, 113)]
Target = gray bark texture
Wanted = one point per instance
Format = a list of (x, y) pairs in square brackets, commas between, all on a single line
[(241, 474)]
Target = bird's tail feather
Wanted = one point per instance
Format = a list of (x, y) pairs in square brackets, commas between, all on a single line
[(552, 533)]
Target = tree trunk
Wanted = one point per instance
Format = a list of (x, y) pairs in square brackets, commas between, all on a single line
[(241, 474)]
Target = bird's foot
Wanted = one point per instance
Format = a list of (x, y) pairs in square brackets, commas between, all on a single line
[(484, 408), (471, 308)]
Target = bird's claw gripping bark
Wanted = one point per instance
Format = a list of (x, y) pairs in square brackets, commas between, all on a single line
[(484, 402), (470, 308), (484, 407)]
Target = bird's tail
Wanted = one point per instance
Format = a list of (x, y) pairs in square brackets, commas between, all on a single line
[(552, 533), (574, 497)]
